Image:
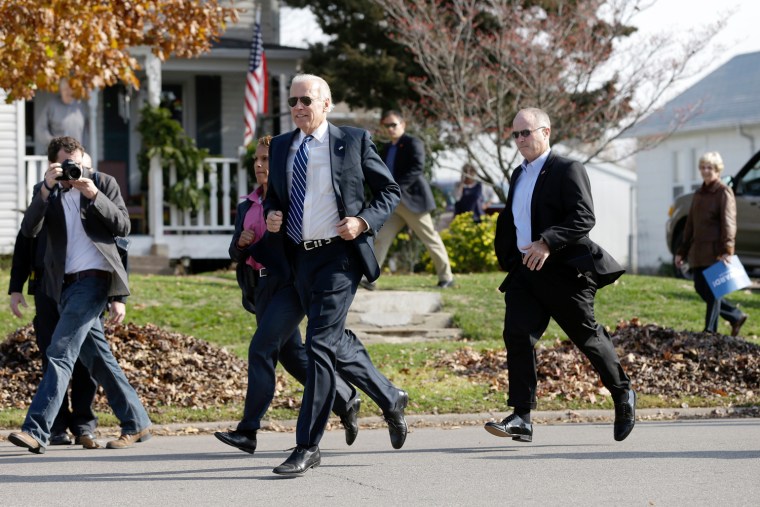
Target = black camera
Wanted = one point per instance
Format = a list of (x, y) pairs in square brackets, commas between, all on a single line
[(71, 170)]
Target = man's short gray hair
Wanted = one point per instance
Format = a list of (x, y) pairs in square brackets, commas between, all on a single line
[(542, 119), (324, 88)]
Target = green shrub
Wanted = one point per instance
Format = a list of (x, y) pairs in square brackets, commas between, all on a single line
[(470, 245)]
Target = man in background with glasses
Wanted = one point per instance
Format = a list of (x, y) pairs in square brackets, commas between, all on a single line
[(554, 272), (405, 157), (317, 218)]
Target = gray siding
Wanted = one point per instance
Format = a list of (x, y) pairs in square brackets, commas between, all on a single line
[(10, 217), (233, 94)]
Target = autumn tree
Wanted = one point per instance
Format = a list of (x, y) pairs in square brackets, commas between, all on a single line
[(580, 60), (89, 41), (365, 68)]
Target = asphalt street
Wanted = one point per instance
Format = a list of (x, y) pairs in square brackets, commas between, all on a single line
[(700, 462)]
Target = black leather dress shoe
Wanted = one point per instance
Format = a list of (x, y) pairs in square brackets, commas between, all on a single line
[(396, 422), (737, 326), (625, 416), (513, 426), (243, 441), (446, 284), (350, 420), (60, 439), (300, 460)]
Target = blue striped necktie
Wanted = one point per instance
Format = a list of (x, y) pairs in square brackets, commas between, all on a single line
[(298, 191)]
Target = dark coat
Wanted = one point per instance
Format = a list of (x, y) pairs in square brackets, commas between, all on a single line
[(243, 272), (562, 213), (103, 218), (408, 171), (354, 163), (710, 230)]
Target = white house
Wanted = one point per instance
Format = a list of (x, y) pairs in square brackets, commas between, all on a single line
[(612, 188), (205, 94), (725, 118)]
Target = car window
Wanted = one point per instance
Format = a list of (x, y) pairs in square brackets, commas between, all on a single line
[(750, 183)]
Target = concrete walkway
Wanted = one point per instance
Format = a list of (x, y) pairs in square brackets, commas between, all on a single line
[(399, 317)]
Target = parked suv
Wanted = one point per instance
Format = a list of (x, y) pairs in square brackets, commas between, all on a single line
[(746, 187)]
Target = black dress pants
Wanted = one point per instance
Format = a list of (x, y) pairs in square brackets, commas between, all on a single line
[(326, 281), (79, 416), (560, 292), (277, 338)]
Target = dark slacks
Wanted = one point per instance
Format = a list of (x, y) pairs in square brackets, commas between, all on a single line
[(326, 281), (277, 338), (715, 307), (78, 416), (559, 292)]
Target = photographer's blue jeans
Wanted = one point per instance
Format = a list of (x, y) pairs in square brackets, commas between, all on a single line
[(79, 334)]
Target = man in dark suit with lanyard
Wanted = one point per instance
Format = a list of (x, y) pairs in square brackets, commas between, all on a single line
[(405, 157), (554, 272), (316, 198)]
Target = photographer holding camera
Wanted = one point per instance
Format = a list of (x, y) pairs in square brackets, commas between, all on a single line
[(83, 269)]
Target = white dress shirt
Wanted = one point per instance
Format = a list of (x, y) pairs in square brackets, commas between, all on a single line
[(522, 198), (320, 209)]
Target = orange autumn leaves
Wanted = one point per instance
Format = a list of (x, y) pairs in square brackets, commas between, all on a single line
[(89, 41)]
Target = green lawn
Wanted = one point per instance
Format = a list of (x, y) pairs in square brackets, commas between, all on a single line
[(208, 307)]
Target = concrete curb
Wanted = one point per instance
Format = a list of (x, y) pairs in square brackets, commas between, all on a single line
[(455, 420)]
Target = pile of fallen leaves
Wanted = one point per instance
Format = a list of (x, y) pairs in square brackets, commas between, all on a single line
[(170, 369), (660, 361), (165, 368)]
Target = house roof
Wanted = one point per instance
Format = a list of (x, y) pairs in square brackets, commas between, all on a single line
[(727, 97)]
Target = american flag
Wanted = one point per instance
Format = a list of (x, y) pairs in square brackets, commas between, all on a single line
[(256, 86)]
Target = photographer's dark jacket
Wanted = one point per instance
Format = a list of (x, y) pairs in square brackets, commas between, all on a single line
[(103, 218)]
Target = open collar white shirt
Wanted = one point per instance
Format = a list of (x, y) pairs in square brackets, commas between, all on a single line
[(522, 198), (81, 253), (320, 210)]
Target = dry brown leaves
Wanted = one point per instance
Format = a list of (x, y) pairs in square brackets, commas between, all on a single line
[(167, 369), (660, 361)]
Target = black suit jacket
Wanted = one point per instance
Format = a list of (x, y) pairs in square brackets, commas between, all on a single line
[(562, 213), (408, 171), (354, 163), (103, 218)]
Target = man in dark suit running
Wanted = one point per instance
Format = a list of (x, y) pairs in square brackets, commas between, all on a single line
[(554, 272), (316, 211), (405, 157)]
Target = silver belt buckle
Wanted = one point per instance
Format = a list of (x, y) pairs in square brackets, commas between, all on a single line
[(310, 244)]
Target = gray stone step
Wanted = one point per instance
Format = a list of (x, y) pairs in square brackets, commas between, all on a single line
[(150, 265), (400, 317)]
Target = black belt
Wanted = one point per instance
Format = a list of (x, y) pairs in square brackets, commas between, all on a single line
[(311, 244), (87, 273)]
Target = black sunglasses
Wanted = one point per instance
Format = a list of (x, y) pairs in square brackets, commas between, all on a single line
[(390, 125), (525, 133), (306, 101)]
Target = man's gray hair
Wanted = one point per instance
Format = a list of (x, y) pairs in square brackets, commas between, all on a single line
[(324, 88), (542, 119)]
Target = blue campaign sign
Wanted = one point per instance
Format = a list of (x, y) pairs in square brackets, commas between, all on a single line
[(724, 278)]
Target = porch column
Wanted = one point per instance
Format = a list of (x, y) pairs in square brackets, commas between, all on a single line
[(155, 173), (92, 127)]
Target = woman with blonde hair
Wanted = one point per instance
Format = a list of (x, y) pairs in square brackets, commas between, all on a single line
[(709, 237)]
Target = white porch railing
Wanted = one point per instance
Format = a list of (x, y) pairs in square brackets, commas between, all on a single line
[(227, 182)]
